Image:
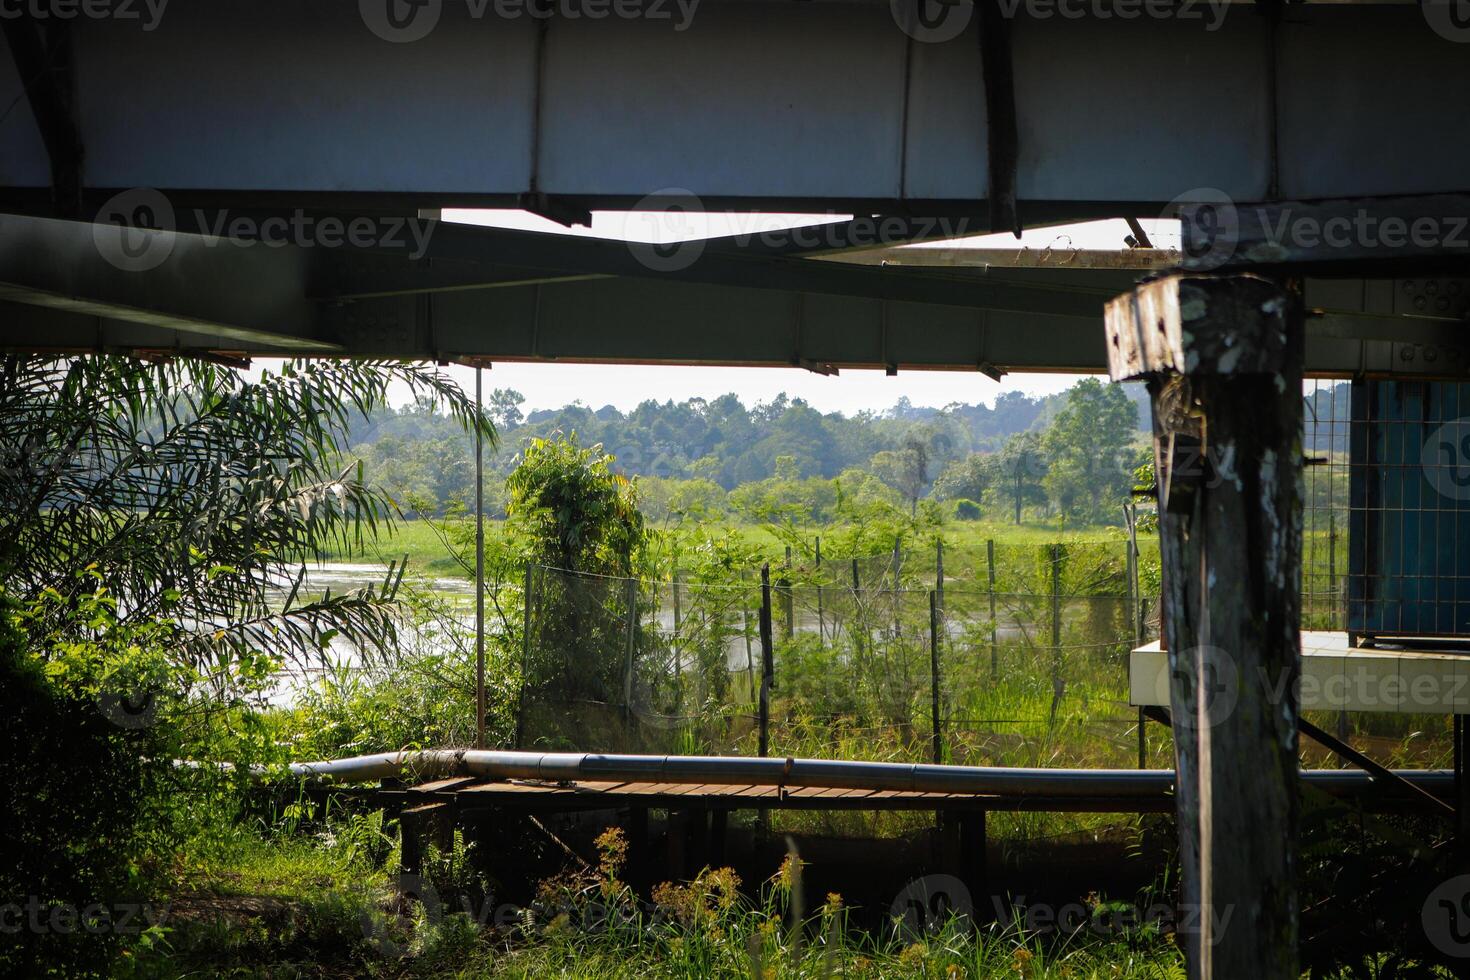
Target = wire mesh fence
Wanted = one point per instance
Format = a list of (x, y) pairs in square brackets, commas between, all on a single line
[(1027, 668)]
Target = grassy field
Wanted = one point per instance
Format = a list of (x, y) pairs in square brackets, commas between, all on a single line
[(427, 552)]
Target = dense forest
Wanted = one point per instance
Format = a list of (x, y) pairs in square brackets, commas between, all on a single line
[(720, 456)]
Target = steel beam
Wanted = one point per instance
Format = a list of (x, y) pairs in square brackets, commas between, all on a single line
[(488, 294), (754, 104)]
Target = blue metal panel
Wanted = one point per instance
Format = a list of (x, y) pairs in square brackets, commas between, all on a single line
[(1409, 562)]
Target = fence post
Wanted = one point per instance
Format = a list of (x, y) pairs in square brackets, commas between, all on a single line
[(788, 605), (1332, 603), (1332, 566), (821, 625), (990, 566), (630, 599), (479, 570), (525, 655), (897, 595), (939, 569), (745, 630), (1056, 622), (934, 676), (1130, 515), (678, 675), (768, 662)]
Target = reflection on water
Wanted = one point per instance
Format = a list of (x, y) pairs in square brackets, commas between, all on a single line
[(341, 653)]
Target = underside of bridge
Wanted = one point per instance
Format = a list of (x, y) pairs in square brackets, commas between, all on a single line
[(251, 178)]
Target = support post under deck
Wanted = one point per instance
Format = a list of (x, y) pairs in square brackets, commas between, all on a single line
[(1223, 359)]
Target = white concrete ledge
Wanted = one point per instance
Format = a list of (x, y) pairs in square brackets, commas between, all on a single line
[(1337, 677)]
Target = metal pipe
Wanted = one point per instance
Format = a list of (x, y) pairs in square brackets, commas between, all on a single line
[(835, 773)]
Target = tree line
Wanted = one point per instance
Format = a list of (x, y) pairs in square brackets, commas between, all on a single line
[(1072, 454)]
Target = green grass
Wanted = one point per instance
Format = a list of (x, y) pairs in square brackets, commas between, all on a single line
[(427, 552), (313, 906)]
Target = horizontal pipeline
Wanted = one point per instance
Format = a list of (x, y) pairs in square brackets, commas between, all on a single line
[(735, 770)]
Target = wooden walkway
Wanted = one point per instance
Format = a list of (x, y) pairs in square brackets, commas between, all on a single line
[(471, 793), (526, 794)]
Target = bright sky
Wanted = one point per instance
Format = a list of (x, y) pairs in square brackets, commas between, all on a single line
[(625, 386)]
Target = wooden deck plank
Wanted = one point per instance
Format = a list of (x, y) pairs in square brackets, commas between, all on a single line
[(635, 789), (492, 788), (444, 785)]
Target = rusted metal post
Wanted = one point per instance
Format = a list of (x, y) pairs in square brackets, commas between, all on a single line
[(1223, 359)]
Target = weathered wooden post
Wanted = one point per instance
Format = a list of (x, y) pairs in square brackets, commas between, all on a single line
[(1223, 359)]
